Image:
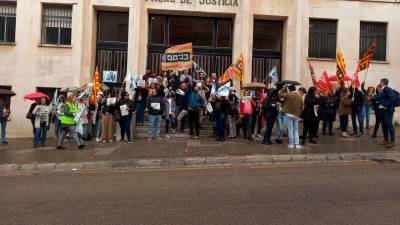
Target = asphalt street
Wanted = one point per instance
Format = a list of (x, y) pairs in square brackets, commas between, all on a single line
[(343, 194)]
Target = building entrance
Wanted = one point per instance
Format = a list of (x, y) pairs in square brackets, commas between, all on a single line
[(112, 45), (211, 38)]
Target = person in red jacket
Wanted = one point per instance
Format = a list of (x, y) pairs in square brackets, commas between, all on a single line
[(247, 106)]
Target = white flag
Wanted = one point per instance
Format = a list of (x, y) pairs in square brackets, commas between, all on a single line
[(54, 102), (130, 83), (128, 76), (197, 68), (273, 75), (224, 90)]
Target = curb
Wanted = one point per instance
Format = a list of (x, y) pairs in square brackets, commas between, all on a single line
[(201, 161)]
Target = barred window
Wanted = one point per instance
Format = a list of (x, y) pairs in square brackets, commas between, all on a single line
[(369, 32), (322, 40), (7, 21), (56, 24)]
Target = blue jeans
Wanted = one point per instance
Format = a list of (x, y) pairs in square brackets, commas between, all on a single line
[(279, 127), (3, 122), (367, 113), (139, 106), (293, 130), (221, 121), (40, 133), (388, 129), (125, 125), (57, 127), (154, 125)]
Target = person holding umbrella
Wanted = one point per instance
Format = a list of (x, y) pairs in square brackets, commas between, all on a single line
[(4, 114), (68, 122)]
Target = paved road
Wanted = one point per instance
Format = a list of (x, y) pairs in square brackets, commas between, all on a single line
[(343, 194)]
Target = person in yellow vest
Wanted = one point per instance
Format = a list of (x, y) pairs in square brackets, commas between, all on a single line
[(68, 123)]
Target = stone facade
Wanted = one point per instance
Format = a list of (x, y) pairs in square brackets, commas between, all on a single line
[(27, 64)]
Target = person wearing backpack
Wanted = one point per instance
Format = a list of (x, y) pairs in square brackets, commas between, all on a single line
[(388, 100), (233, 113)]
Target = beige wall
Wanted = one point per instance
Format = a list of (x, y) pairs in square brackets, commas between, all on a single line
[(28, 65)]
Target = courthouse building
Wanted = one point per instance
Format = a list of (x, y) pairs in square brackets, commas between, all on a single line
[(49, 44)]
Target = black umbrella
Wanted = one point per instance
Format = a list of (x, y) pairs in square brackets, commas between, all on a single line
[(7, 93), (288, 82)]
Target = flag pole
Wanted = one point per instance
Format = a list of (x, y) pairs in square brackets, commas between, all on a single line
[(366, 73)]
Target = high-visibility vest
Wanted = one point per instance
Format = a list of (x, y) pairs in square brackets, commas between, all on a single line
[(69, 120)]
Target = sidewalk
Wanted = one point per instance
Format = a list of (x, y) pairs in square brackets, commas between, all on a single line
[(179, 150)]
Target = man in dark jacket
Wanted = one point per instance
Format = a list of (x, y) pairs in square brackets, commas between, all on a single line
[(182, 101), (194, 104), (386, 101), (125, 107), (221, 107), (270, 109), (356, 112)]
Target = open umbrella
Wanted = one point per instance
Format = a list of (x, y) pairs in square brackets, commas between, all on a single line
[(36, 96), (288, 82), (6, 93), (255, 85)]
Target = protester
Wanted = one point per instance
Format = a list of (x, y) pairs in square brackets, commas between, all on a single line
[(98, 116), (221, 107), (233, 113), (379, 114), (256, 119), (247, 106), (310, 116), (57, 115), (327, 112), (83, 120), (195, 103), (4, 114), (30, 116), (279, 116), (356, 112), (270, 111), (170, 113), (140, 104), (155, 105), (369, 94), (68, 122), (41, 113), (185, 76), (182, 100), (386, 100), (148, 75), (345, 108), (292, 109), (125, 108), (107, 122)]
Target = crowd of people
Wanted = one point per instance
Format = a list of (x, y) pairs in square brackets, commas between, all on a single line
[(182, 100)]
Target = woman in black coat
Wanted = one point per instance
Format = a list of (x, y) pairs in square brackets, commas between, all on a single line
[(327, 112), (310, 116)]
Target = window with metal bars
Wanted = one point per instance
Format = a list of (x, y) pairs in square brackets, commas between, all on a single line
[(56, 24), (7, 21), (322, 40), (373, 31)]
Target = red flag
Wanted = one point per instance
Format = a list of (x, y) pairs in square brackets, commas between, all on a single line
[(355, 81), (325, 78), (335, 78), (313, 77)]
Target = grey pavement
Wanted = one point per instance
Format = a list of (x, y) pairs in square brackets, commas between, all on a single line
[(178, 151), (349, 193)]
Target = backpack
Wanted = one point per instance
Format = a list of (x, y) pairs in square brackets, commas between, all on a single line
[(396, 100)]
